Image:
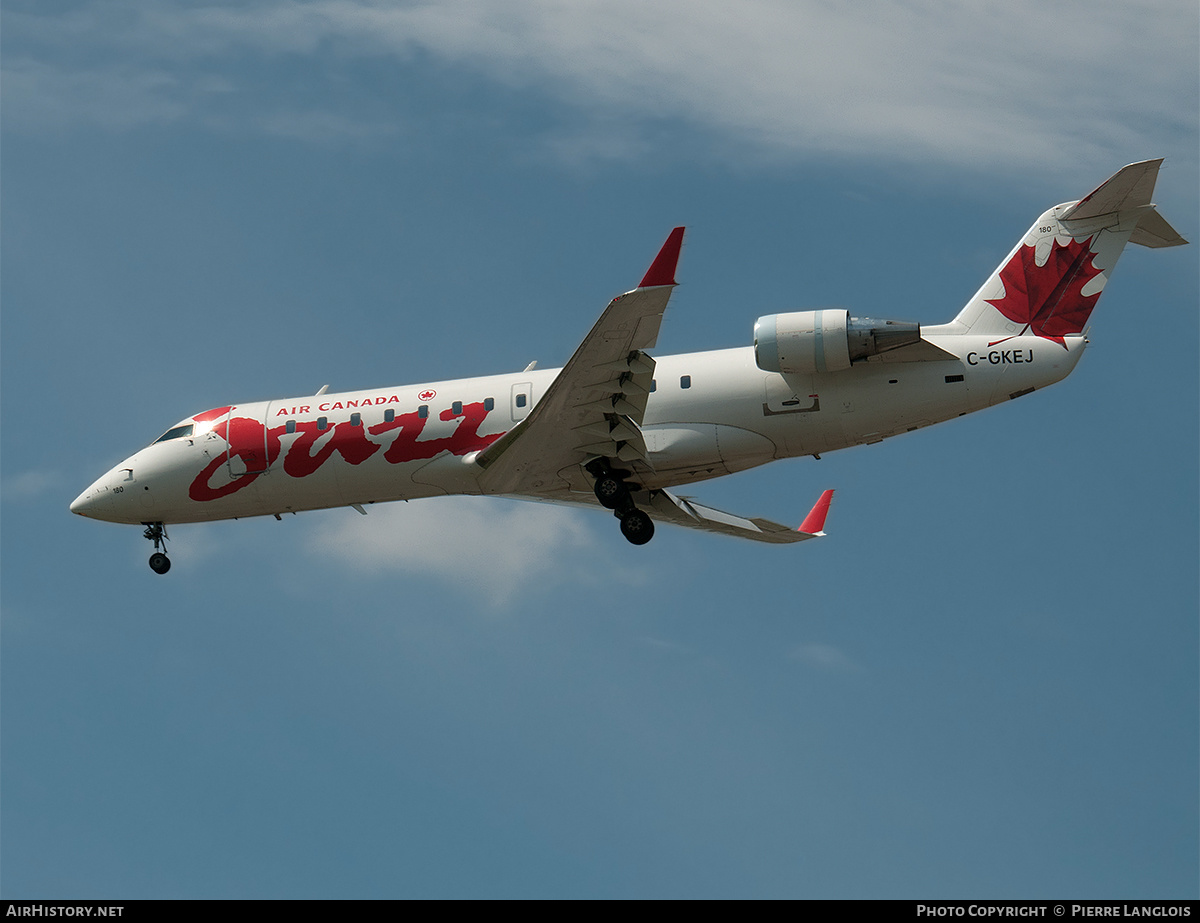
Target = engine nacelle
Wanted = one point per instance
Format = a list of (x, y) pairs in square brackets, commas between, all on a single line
[(805, 342)]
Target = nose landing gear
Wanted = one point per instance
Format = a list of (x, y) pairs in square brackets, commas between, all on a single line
[(157, 533)]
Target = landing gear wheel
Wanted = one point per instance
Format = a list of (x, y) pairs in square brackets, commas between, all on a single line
[(609, 491), (637, 527), (157, 533)]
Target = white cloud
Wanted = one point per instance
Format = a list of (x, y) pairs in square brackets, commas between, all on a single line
[(43, 96), (29, 485), (497, 550), (979, 83)]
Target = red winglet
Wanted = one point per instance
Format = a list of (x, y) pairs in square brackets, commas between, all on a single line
[(662, 270), (814, 522)]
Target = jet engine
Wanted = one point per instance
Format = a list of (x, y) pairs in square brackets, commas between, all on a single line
[(804, 342)]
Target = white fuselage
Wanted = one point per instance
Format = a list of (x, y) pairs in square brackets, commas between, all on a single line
[(710, 414), (619, 427)]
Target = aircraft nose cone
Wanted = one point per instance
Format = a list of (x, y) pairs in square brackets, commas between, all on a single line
[(93, 502)]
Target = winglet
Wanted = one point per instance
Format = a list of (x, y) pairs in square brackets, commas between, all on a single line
[(814, 522), (662, 270)]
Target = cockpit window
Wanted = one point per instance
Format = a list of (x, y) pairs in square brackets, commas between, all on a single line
[(177, 432)]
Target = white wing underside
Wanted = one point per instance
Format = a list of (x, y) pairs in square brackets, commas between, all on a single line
[(595, 408), (664, 506)]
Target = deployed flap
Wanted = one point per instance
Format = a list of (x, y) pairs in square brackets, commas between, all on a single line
[(666, 507), (597, 402)]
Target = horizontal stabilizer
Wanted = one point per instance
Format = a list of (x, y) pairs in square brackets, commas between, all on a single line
[(1129, 187), (1154, 231)]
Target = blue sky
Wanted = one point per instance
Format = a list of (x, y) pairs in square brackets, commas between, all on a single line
[(983, 682)]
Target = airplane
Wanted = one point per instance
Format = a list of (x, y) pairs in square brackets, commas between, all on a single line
[(622, 429)]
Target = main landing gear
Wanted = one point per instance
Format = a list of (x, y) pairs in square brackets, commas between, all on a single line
[(613, 494), (637, 526), (157, 533)]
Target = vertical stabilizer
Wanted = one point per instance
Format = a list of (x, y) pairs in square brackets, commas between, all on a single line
[(1049, 284)]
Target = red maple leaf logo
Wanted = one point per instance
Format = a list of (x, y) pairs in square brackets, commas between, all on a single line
[(1049, 299)]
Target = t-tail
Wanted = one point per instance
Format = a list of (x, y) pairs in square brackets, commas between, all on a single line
[(1049, 284)]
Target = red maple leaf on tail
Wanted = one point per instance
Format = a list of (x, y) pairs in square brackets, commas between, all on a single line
[(1049, 299)]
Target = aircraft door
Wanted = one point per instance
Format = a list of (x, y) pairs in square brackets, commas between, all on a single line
[(522, 400), (247, 438)]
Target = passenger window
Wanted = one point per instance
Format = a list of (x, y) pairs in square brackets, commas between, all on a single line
[(356, 419), (322, 423), (653, 385), (291, 426), (389, 415), (423, 411), (456, 408), (685, 381), (488, 404)]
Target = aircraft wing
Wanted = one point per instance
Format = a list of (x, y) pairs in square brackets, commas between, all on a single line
[(596, 404), (664, 506)]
